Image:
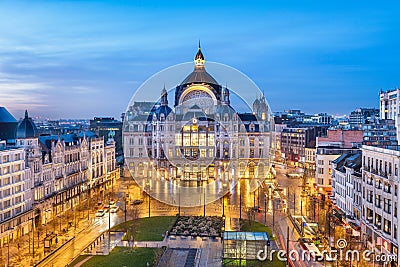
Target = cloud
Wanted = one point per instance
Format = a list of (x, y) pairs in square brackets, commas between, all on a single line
[(18, 92)]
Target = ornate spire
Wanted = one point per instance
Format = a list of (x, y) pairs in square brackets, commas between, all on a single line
[(199, 58), (163, 91), (225, 95), (164, 97)]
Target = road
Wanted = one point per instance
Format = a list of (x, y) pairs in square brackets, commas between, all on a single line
[(83, 239)]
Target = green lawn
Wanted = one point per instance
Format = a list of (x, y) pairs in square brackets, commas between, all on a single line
[(252, 226), (147, 229), (123, 256)]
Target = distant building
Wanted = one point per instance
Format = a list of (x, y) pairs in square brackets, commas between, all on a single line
[(294, 142), (329, 148), (341, 122), (325, 155), (277, 140), (363, 116), (381, 133), (310, 159), (296, 118), (108, 127), (341, 138), (63, 126)]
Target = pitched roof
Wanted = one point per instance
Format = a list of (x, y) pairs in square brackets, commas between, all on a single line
[(6, 116)]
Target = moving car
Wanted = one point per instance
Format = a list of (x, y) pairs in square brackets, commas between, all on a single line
[(113, 209), (100, 213)]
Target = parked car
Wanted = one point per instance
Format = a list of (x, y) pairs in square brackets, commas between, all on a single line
[(137, 202), (257, 208), (100, 213)]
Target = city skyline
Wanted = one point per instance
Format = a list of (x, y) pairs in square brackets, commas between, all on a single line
[(85, 59)]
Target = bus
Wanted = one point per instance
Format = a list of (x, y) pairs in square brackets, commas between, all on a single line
[(312, 252)]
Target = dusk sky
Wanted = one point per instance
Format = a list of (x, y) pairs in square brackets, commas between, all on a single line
[(79, 59)]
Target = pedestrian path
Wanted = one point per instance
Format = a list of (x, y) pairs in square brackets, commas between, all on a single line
[(104, 243), (79, 264)]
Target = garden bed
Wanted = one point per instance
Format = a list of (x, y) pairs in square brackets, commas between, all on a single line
[(197, 226)]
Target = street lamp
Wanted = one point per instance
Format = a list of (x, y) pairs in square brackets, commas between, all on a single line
[(33, 238), (204, 210), (254, 198), (149, 204), (148, 193), (8, 246), (273, 216), (223, 205), (265, 209), (125, 207), (109, 223), (240, 201), (179, 200)]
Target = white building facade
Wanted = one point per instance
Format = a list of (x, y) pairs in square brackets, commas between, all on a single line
[(346, 186), (390, 107), (380, 218), (15, 194)]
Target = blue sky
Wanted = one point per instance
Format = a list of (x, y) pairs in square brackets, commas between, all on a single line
[(79, 59)]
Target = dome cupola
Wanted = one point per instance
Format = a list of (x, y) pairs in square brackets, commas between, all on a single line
[(26, 127)]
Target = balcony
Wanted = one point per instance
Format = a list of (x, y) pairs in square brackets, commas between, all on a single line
[(380, 173), (383, 174), (73, 172), (37, 183)]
